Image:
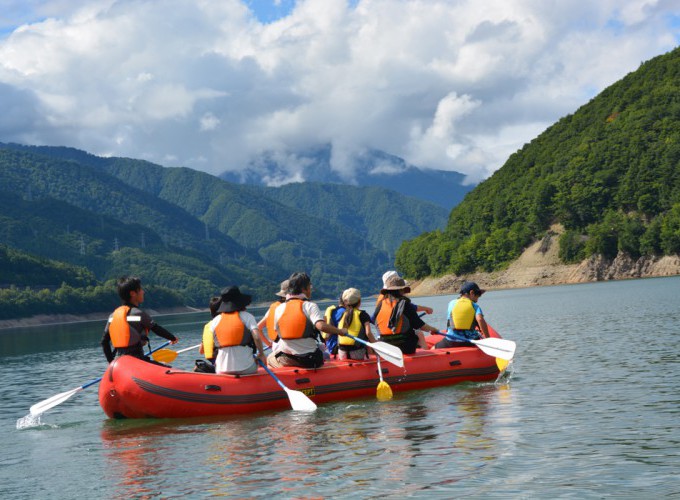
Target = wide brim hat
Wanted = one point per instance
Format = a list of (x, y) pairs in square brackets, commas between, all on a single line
[(284, 289), (395, 282), (233, 300), (388, 275)]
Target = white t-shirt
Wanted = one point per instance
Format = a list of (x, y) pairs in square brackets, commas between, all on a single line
[(299, 346), (239, 357)]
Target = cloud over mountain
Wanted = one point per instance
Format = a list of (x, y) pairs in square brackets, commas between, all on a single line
[(446, 84)]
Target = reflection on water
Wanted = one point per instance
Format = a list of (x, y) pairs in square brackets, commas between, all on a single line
[(371, 448)]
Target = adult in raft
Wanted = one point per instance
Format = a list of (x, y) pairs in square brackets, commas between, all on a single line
[(297, 322), (465, 318), (235, 335), (128, 326), (397, 319)]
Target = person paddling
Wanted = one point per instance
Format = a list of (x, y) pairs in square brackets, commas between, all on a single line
[(396, 317), (463, 317), (298, 322), (128, 326), (357, 322)]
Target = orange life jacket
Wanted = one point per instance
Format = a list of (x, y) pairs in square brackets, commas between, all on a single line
[(271, 325), (230, 331), (293, 323), (385, 309), (119, 329)]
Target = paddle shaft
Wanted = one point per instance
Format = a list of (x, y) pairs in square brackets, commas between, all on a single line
[(278, 380), (189, 348)]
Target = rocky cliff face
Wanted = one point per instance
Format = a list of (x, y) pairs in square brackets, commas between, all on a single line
[(539, 265)]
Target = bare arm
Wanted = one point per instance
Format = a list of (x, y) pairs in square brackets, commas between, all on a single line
[(369, 332), (429, 328), (260, 326), (326, 328), (482, 325), (258, 343)]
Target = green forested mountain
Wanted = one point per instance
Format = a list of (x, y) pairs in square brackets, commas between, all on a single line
[(609, 174), (189, 231)]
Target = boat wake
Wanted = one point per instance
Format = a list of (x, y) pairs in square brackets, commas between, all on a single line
[(505, 376)]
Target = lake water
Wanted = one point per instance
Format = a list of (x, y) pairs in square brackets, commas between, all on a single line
[(591, 410)]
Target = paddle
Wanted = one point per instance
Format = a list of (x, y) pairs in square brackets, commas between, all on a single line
[(168, 355), (390, 352), (298, 400), (498, 348), (57, 399), (384, 391), (502, 364)]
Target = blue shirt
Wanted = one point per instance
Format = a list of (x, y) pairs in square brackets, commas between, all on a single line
[(470, 334)]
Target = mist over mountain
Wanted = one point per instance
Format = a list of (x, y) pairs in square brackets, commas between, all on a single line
[(370, 168)]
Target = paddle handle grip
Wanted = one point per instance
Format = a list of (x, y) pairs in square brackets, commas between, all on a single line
[(151, 351), (91, 382)]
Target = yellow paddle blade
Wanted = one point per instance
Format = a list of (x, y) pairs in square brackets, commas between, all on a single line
[(164, 355), (502, 364), (384, 392)]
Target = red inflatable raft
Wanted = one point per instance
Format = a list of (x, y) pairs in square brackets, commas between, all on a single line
[(131, 388)]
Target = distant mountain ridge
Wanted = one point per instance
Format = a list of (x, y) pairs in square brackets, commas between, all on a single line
[(374, 168), (194, 233)]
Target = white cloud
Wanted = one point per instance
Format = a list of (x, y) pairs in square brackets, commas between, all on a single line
[(451, 84)]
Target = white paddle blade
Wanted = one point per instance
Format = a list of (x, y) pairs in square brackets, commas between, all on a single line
[(299, 401), (389, 352), (47, 404), (498, 348)]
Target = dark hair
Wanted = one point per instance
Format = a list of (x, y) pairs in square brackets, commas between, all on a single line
[(126, 285), (298, 283), (214, 305)]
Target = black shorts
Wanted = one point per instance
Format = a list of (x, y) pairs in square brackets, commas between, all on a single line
[(311, 360), (407, 342), (443, 343)]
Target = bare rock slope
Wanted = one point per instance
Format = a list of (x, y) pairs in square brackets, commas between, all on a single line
[(539, 265)]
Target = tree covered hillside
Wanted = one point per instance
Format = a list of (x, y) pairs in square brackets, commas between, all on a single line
[(609, 173), (64, 210)]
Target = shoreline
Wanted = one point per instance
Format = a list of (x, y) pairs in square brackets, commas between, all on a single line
[(539, 265), (67, 319)]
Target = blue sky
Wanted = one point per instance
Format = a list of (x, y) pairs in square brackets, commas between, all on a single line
[(220, 85), (267, 11)]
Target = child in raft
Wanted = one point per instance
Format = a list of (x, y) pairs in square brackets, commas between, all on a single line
[(347, 314)]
